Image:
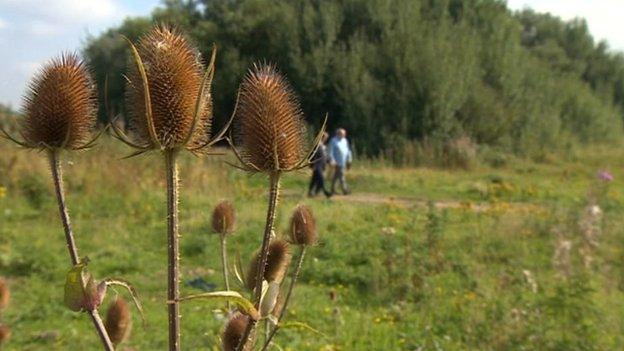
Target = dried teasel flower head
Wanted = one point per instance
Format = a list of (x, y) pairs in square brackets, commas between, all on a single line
[(303, 226), (277, 262), (223, 218), (234, 330), (5, 294), (5, 334), (60, 106), (168, 93), (270, 125), (118, 321)]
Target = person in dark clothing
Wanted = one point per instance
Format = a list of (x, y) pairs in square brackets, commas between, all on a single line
[(319, 160)]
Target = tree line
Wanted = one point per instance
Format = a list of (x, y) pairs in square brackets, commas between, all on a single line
[(398, 73)]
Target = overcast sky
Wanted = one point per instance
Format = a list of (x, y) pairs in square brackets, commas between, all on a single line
[(32, 31)]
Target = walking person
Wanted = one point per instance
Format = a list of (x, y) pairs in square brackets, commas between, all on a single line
[(319, 160), (340, 158)]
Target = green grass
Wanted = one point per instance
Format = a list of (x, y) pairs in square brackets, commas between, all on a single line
[(406, 275)]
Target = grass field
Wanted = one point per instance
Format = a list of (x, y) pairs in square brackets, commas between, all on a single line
[(415, 259)]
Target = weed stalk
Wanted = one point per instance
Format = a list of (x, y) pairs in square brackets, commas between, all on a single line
[(264, 251), (57, 175), (173, 246), (293, 281), (226, 280)]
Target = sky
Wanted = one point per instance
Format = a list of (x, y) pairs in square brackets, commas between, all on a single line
[(33, 31)]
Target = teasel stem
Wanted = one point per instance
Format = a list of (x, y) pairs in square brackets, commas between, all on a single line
[(293, 281), (264, 252), (173, 249), (57, 177), (226, 280), (101, 330)]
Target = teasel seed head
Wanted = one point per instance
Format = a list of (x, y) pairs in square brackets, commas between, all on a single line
[(5, 334), (118, 321), (303, 226), (234, 330), (270, 125), (277, 263), (175, 79), (223, 218), (5, 294), (60, 106)]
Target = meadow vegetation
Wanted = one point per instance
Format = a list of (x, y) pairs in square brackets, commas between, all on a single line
[(507, 237), (421, 258)]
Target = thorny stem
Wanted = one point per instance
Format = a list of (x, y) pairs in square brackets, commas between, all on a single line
[(293, 281), (224, 265), (101, 330), (57, 177), (264, 252), (173, 250)]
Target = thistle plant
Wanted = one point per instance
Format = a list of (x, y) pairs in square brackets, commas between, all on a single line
[(303, 234), (118, 321), (60, 115), (170, 110), (5, 296), (5, 334), (271, 131), (234, 331)]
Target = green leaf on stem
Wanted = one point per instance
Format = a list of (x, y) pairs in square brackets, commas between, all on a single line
[(244, 305)]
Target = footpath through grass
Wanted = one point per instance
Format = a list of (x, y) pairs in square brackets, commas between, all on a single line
[(507, 258)]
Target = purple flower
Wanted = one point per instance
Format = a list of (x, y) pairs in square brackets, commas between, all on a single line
[(605, 176)]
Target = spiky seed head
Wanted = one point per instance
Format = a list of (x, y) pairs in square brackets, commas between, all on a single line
[(277, 262), (303, 226), (118, 321), (270, 124), (5, 294), (5, 334), (234, 330), (223, 218), (60, 105), (175, 72)]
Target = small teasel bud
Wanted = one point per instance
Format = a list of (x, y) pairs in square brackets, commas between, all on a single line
[(234, 330), (270, 124), (5, 294), (174, 72), (277, 262), (223, 218), (118, 321), (60, 106), (303, 226), (5, 334)]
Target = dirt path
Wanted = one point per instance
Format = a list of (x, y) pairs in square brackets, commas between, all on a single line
[(378, 199)]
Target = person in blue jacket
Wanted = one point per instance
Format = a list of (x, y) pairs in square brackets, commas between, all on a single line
[(340, 157)]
